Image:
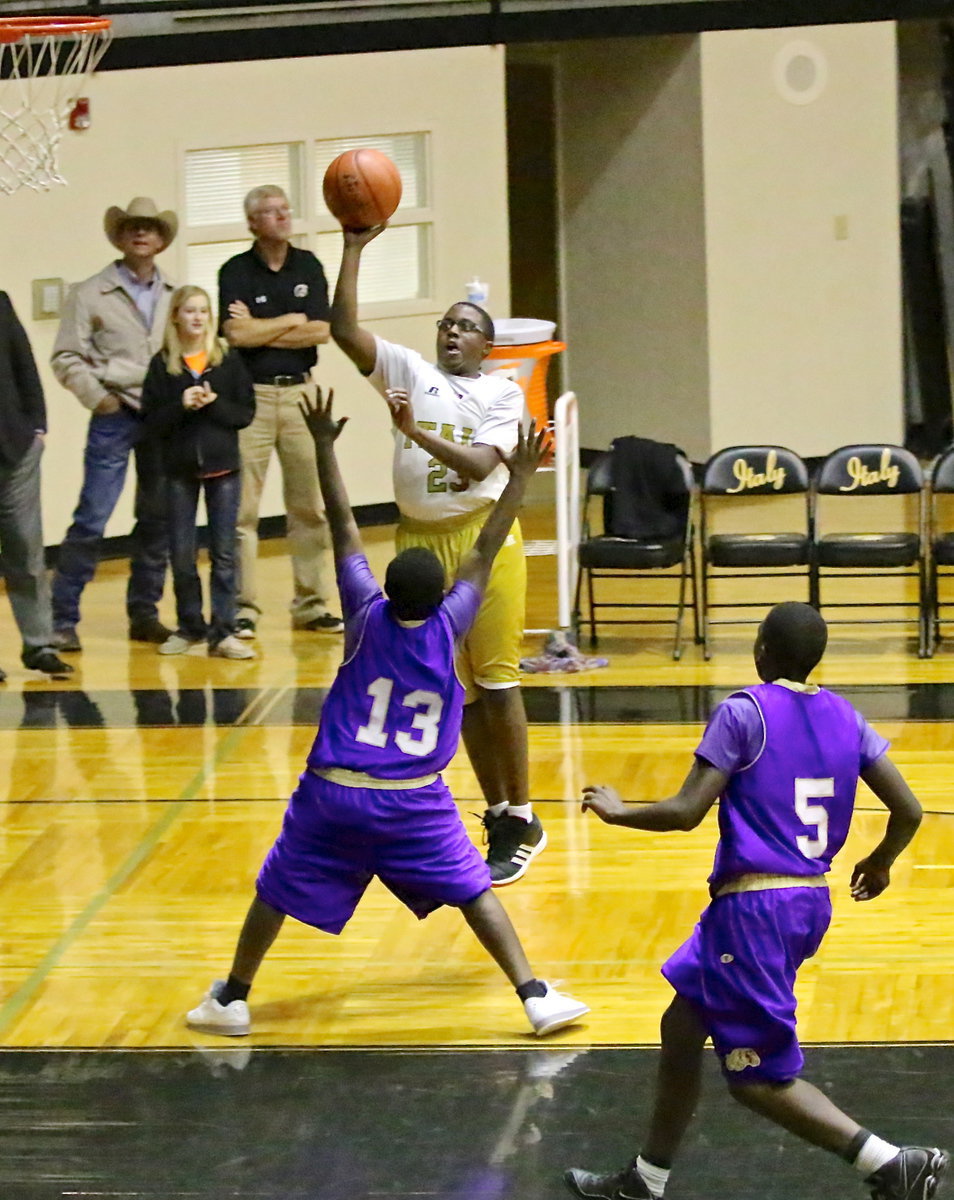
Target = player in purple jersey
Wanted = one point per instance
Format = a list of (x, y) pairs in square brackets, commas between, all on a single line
[(785, 757), (372, 801)]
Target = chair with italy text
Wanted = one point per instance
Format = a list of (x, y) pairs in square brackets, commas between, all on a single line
[(747, 492), (940, 542), (881, 489)]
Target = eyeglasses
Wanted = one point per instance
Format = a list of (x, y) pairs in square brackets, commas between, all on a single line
[(464, 325)]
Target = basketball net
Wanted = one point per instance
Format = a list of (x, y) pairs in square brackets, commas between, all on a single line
[(44, 64)]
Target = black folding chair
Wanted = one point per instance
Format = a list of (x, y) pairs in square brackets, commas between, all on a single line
[(736, 474), (940, 541), (604, 556), (894, 544)]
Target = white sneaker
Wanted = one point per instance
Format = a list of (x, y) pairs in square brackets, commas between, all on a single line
[(553, 1011), (231, 647), (177, 644), (230, 1020)]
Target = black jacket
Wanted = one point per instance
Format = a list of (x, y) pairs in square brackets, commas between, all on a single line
[(649, 497), (199, 441), (22, 409)]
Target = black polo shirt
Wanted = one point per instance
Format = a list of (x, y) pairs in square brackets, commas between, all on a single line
[(298, 286)]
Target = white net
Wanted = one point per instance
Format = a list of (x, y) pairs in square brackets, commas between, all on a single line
[(42, 73)]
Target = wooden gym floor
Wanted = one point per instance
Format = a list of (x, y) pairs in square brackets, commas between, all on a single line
[(137, 801)]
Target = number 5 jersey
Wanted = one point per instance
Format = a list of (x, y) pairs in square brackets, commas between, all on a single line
[(794, 753)]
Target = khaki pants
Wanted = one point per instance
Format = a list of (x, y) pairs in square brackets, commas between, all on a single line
[(279, 426)]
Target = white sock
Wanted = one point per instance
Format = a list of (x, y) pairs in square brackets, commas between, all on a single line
[(497, 810), (655, 1178), (873, 1155), (523, 811)]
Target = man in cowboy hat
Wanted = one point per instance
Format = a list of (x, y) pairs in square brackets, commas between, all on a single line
[(112, 325)]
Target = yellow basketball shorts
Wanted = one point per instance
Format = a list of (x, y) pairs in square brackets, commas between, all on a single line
[(490, 654)]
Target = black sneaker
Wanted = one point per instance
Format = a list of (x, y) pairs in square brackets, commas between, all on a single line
[(47, 661), (3, 675), (245, 629), (149, 629), (512, 844), (66, 640), (911, 1175), (326, 623), (627, 1184)]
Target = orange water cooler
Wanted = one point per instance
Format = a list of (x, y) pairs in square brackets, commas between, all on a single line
[(522, 351)]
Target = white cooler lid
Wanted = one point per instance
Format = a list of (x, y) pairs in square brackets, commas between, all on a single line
[(522, 331)]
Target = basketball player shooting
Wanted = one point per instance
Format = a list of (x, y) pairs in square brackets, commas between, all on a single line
[(785, 757), (371, 801), (447, 473)]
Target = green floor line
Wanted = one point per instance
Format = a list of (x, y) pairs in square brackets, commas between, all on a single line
[(13, 1007)]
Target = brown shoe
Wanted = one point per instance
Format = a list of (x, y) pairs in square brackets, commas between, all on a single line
[(326, 623), (47, 661), (149, 629), (65, 640)]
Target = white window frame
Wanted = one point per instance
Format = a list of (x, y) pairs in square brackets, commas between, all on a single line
[(306, 227)]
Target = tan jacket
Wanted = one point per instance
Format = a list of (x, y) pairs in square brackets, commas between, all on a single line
[(102, 347)]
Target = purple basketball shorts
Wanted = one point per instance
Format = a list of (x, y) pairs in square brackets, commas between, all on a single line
[(738, 971), (335, 839)]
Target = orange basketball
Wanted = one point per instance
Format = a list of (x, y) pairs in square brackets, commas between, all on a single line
[(362, 188)]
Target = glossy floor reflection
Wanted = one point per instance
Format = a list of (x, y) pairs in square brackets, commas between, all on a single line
[(356, 1125), (577, 704)]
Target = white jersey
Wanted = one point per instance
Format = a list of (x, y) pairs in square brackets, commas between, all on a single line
[(485, 410)]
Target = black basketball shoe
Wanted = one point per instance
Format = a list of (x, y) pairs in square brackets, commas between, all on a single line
[(512, 844), (627, 1184), (911, 1175)]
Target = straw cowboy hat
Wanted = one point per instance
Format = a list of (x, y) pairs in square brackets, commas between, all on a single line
[(140, 209)]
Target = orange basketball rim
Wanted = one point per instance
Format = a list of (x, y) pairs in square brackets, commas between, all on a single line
[(44, 65)]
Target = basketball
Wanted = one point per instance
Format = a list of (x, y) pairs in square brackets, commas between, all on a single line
[(362, 188)]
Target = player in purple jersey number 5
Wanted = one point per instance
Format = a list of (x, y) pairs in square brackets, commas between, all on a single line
[(372, 801), (785, 757)]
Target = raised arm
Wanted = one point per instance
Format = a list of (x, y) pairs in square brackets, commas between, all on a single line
[(356, 342), (476, 565), (323, 427), (701, 788), (873, 874)]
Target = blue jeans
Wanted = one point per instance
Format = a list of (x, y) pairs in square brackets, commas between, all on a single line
[(221, 507), (109, 440)]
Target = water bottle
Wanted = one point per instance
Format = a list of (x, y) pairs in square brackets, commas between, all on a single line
[(477, 292)]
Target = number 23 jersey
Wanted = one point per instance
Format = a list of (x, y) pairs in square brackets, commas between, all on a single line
[(484, 410), (394, 709), (793, 754)]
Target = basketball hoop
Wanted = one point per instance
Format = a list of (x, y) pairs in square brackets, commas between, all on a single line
[(44, 62)]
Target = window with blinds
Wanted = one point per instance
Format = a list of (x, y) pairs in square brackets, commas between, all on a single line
[(217, 181), (395, 268)]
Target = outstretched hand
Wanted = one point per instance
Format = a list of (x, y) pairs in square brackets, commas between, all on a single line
[(604, 801), (318, 417), (361, 237), (531, 447), (868, 880)]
